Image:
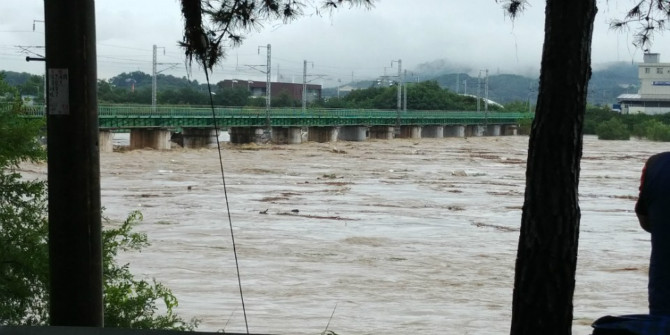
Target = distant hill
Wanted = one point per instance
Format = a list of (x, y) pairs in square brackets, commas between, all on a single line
[(606, 83)]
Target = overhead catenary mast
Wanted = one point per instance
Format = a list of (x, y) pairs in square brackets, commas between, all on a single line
[(155, 72)]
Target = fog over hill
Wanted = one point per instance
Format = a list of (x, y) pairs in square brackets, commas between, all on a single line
[(607, 82)]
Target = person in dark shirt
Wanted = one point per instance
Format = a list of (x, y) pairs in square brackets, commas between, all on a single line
[(653, 212)]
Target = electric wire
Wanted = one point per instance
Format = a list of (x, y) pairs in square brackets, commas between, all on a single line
[(225, 193)]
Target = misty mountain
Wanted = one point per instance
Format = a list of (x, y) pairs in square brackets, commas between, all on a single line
[(606, 83)]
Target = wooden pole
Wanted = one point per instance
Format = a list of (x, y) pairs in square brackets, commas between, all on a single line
[(75, 247)]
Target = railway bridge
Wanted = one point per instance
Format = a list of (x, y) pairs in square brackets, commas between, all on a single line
[(154, 127)]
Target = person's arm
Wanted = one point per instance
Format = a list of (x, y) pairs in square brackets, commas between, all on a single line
[(644, 222), (641, 204)]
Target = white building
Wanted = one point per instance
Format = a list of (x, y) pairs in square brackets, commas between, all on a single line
[(653, 97)]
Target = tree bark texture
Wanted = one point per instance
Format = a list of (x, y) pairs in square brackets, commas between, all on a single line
[(546, 261)]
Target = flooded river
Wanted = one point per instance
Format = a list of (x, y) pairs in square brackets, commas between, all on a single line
[(388, 237)]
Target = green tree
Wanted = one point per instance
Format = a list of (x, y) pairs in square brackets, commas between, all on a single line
[(595, 116), (23, 246), (544, 279), (129, 302), (641, 129), (547, 254), (658, 131), (613, 129), (24, 263), (7, 93)]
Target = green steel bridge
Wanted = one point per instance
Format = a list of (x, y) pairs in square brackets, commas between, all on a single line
[(142, 116)]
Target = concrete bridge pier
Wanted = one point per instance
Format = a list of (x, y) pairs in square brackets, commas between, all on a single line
[(493, 130), (432, 132), (106, 140), (323, 134), (242, 135), (510, 130), (454, 131), (287, 135), (382, 132), (199, 137), (468, 130), (410, 132), (353, 133), (154, 138), (476, 130)]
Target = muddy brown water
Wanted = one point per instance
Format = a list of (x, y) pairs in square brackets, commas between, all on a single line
[(393, 237)]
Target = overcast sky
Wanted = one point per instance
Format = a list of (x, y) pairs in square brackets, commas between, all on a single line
[(354, 42)]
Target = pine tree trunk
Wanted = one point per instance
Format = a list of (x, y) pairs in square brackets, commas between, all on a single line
[(547, 254)]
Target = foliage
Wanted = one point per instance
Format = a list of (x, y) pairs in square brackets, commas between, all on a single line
[(24, 263), (24, 267), (518, 106), (7, 93), (612, 129), (642, 129), (427, 95), (649, 15), (657, 131), (23, 225), (594, 116), (23, 250), (132, 303), (524, 126)]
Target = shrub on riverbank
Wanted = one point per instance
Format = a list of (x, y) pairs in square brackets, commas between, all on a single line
[(609, 125), (24, 233), (612, 129)]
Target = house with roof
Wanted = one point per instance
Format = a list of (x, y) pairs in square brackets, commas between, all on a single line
[(653, 96)]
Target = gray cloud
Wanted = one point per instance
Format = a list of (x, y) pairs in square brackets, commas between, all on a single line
[(470, 35)]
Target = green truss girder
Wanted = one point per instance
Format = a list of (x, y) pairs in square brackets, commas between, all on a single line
[(124, 117)]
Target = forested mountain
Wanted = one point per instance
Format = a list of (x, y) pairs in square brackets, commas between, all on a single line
[(605, 85)]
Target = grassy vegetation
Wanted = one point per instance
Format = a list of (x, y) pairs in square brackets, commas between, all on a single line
[(609, 125)]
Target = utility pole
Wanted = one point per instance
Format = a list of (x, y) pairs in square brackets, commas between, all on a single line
[(479, 84), (486, 102), (268, 88), (458, 82), (304, 84), (339, 83), (399, 61), (154, 85), (153, 80), (404, 105), (486, 91), (75, 240), (44, 78)]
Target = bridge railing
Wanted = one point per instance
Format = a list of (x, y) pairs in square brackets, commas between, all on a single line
[(122, 116)]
